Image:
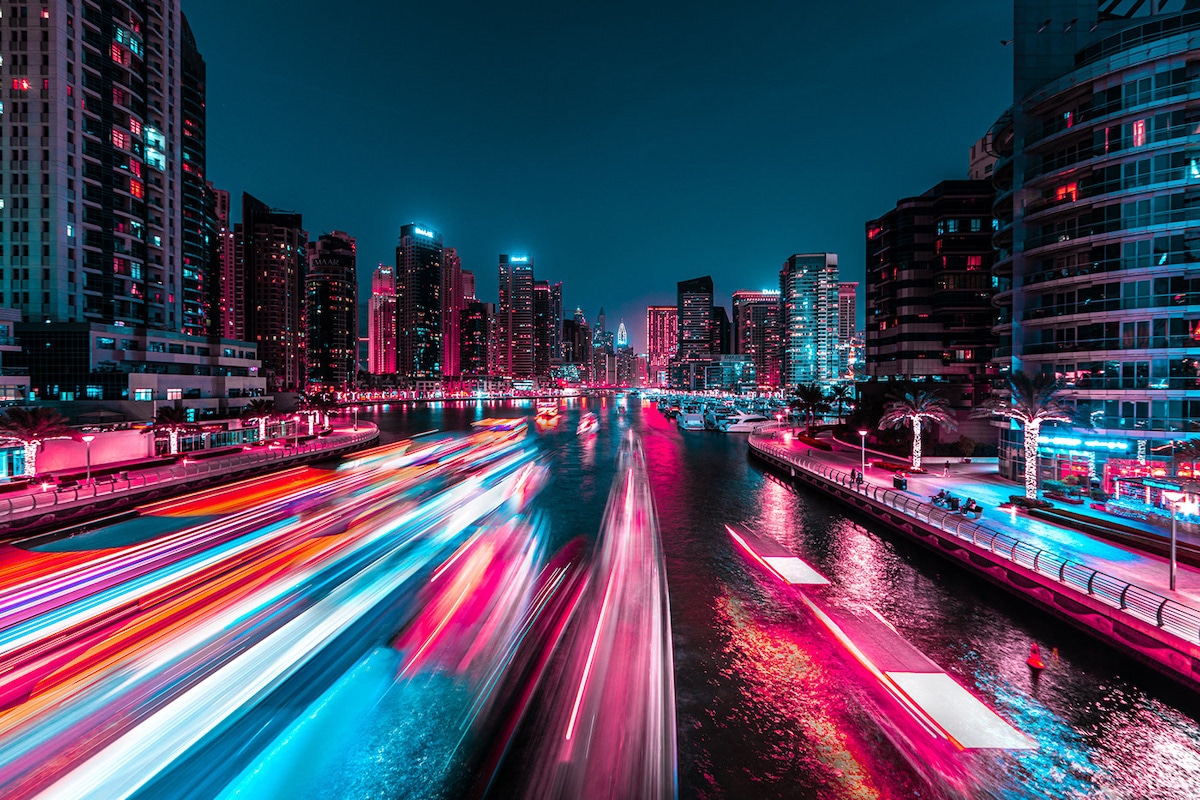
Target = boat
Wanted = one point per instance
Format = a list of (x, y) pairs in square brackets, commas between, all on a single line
[(588, 423), (742, 422), (547, 408), (690, 422)]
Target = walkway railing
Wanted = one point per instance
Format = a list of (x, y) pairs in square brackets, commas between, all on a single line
[(41, 502), (1145, 604)]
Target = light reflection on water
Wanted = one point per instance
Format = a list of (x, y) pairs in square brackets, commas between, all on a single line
[(766, 706)]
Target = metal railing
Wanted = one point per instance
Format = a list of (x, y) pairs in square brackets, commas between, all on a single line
[(68, 498), (1144, 604)]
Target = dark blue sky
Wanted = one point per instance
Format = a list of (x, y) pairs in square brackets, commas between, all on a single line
[(625, 146)]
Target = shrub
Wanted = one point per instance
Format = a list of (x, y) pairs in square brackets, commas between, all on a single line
[(966, 446), (1021, 501), (814, 443)]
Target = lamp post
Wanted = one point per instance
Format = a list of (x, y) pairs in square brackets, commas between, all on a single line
[(87, 442), (296, 431), (863, 449), (1175, 498), (355, 410)]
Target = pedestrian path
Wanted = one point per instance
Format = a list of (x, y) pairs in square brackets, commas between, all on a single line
[(981, 482)]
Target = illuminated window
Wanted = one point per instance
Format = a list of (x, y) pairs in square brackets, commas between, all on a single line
[(974, 262), (20, 85), (137, 188), (143, 394), (1069, 118), (1139, 133), (120, 139), (45, 13), (1067, 191), (118, 55), (135, 126), (135, 167), (174, 394)]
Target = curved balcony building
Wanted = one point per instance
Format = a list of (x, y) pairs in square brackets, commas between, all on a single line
[(1102, 186)]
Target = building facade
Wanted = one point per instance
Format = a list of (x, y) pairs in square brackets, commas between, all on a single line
[(662, 342), (474, 333), (223, 258), (453, 296), (695, 318), (757, 333), (419, 303), (381, 322), (847, 328), (331, 313), (808, 288), (543, 329), (272, 254), (514, 357), (929, 291), (1097, 210)]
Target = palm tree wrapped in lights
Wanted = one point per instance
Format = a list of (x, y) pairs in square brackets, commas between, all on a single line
[(316, 407), (913, 408), (174, 421), (259, 412), (1031, 402), (32, 427), (810, 399)]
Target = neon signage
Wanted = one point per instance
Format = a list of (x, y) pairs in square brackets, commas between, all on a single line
[(519, 259), (1091, 444), (423, 232)]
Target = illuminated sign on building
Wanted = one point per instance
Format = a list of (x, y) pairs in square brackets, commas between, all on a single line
[(1091, 444), (423, 232), (519, 259)]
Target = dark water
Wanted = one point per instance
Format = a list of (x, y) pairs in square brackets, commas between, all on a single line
[(768, 705)]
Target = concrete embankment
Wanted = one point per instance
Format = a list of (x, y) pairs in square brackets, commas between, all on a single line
[(1157, 630)]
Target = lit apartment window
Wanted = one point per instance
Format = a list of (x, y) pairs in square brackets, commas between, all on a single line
[(143, 394), (1139, 133), (174, 394)]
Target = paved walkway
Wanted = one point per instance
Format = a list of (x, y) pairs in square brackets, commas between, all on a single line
[(980, 481), (37, 502)]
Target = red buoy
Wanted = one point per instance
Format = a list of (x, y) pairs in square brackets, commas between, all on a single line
[(1035, 658)]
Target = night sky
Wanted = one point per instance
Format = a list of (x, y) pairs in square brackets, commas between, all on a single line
[(625, 146)]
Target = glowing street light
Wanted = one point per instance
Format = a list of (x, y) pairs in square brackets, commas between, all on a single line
[(1175, 499), (863, 450), (87, 441)]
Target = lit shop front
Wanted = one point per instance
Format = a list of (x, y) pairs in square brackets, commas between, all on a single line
[(1079, 458)]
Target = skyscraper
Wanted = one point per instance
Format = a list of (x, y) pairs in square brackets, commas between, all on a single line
[(381, 322), (229, 278), (662, 342), (721, 336), (1096, 213), (847, 327), (622, 335), (272, 256), (757, 333), (419, 303), (331, 313), (201, 284), (556, 317), (543, 329), (808, 287), (515, 318), (929, 292), (95, 104), (695, 318), (474, 332), (453, 302), (468, 285)]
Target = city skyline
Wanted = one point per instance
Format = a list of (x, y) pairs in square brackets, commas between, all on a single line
[(465, 189)]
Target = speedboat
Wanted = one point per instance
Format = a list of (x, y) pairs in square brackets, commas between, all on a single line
[(547, 408), (588, 423), (690, 422), (743, 422)]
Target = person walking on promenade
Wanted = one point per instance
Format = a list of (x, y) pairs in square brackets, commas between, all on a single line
[(945, 469)]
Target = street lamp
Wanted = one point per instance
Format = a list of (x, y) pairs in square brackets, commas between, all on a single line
[(1175, 498), (296, 431), (863, 450), (355, 410), (87, 441)]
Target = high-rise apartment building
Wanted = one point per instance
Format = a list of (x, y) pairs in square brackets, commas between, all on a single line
[(808, 288), (847, 328), (543, 329), (1097, 210), (514, 356), (93, 168), (662, 342), (419, 303), (695, 318), (272, 256), (757, 333), (331, 313), (556, 317), (468, 285), (475, 330), (929, 290), (223, 259), (381, 322), (453, 302), (200, 283), (722, 332), (577, 346)]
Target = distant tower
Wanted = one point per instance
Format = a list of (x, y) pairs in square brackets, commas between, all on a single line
[(580, 319), (453, 302), (419, 302), (622, 335), (808, 285), (662, 341), (381, 322), (514, 317), (601, 324), (331, 311)]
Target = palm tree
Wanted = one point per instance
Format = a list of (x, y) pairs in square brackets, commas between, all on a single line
[(812, 401), (839, 394), (912, 408), (261, 412), (1031, 402), (32, 427), (174, 421), (316, 407)]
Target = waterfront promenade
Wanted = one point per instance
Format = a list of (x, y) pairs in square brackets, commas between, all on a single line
[(46, 504), (1117, 593)]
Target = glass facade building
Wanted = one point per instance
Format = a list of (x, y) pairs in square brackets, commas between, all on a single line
[(808, 288), (1098, 231)]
